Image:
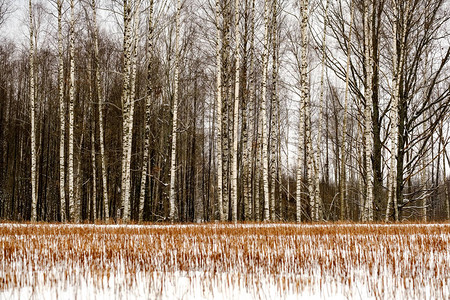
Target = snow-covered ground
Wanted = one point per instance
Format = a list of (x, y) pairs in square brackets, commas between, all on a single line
[(225, 261)]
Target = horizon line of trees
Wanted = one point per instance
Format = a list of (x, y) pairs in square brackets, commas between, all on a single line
[(244, 110)]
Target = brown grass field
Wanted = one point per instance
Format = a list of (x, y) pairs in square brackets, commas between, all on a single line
[(225, 261)]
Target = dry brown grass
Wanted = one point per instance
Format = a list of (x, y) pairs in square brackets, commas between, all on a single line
[(350, 260)]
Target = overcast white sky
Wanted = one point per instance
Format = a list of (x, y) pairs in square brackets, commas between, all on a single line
[(15, 27)]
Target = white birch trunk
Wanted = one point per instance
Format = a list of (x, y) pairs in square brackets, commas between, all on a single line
[(234, 166), (62, 116), (274, 113), (74, 206), (309, 158), (258, 154), (265, 163), (226, 101), (130, 115), (126, 102), (304, 99), (219, 116), (173, 165), (33, 122), (368, 204), (299, 163)]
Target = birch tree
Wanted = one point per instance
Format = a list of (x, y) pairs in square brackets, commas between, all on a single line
[(219, 115), (358, 78), (74, 205), (304, 98), (132, 96), (234, 165), (266, 214), (368, 203), (126, 105), (173, 163), (274, 110), (227, 124), (129, 52), (33, 121), (258, 160), (62, 115), (248, 102), (397, 45), (309, 153)]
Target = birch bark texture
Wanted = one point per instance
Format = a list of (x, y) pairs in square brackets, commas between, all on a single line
[(304, 98), (74, 205), (227, 128), (274, 112), (62, 116), (263, 112), (368, 203), (219, 114), (127, 111), (33, 121), (173, 163), (234, 164), (132, 96)]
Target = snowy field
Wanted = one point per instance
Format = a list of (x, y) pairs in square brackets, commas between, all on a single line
[(225, 261)]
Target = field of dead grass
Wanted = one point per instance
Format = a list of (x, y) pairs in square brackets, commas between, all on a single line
[(225, 261)]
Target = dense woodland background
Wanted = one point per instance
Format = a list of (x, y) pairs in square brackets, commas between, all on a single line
[(196, 110)]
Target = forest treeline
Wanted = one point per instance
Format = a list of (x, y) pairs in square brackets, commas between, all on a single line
[(255, 110)]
